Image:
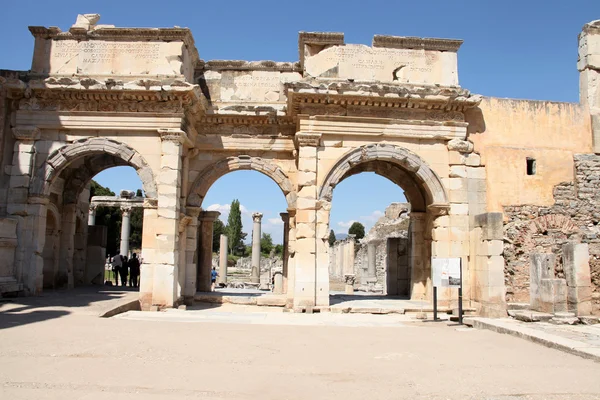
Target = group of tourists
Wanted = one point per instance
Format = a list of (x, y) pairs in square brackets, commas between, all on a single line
[(124, 268)]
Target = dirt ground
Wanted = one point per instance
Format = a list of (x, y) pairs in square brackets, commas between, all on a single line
[(55, 347)]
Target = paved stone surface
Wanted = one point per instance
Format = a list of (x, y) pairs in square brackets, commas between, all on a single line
[(583, 340), (64, 351)]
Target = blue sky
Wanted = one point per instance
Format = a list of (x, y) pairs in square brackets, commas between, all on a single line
[(519, 49)]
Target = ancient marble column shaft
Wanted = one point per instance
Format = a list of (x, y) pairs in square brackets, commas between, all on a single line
[(125, 231), (207, 220), (223, 259), (92, 216), (255, 275), (286, 238), (372, 262)]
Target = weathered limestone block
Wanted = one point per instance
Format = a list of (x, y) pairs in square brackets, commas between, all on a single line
[(553, 295), (541, 267), (577, 273), (462, 146)]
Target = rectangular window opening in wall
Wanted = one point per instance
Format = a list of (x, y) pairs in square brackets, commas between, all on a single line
[(531, 166)]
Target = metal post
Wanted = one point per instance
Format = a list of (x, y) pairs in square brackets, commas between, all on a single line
[(460, 312), (435, 303), (460, 305)]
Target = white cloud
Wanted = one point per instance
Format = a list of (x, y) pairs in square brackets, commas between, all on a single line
[(346, 224), (374, 217), (275, 221)]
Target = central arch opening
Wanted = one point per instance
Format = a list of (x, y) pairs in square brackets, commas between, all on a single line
[(392, 261)]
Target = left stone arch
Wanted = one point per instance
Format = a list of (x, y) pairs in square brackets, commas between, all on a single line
[(61, 158)]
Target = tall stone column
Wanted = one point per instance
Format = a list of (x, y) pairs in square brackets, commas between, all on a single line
[(92, 215), (223, 247), (192, 250), (207, 219), (255, 277), (419, 273), (285, 217), (125, 227), (64, 276), (372, 262)]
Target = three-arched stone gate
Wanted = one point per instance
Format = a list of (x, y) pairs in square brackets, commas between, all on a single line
[(182, 123)]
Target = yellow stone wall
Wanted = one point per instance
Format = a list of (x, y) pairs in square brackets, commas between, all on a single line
[(507, 131)]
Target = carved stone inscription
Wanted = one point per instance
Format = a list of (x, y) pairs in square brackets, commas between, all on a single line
[(232, 86), (109, 57), (365, 63)]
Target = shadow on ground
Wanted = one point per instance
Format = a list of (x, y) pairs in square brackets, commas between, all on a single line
[(52, 304)]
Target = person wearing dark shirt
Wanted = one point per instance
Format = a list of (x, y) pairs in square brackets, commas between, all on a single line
[(124, 271), (134, 270)]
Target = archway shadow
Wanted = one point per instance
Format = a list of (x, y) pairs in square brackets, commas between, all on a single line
[(51, 304)]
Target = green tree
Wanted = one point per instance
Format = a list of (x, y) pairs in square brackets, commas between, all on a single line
[(218, 230), (266, 243), (331, 237), (234, 226), (358, 230), (279, 249)]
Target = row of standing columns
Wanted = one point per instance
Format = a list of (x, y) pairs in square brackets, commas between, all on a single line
[(208, 218)]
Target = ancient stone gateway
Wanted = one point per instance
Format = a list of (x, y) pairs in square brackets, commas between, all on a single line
[(98, 96)]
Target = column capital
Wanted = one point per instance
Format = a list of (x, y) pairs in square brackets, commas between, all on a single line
[(209, 215), (126, 210), (193, 212), (175, 135), (311, 139), (285, 217), (150, 203), (93, 208), (438, 209), (26, 133), (257, 217)]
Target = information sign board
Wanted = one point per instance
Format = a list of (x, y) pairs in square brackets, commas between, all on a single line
[(446, 272)]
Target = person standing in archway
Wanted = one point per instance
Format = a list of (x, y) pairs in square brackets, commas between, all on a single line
[(134, 270), (117, 263), (124, 271)]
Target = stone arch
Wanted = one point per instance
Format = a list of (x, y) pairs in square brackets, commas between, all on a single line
[(544, 223), (244, 162), (421, 184), (61, 158)]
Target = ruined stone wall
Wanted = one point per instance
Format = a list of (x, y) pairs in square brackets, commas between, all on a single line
[(574, 216)]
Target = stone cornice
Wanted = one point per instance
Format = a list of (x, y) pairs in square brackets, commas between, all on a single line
[(121, 34), (409, 42), (87, 94), (379, 95), (240, 65)]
